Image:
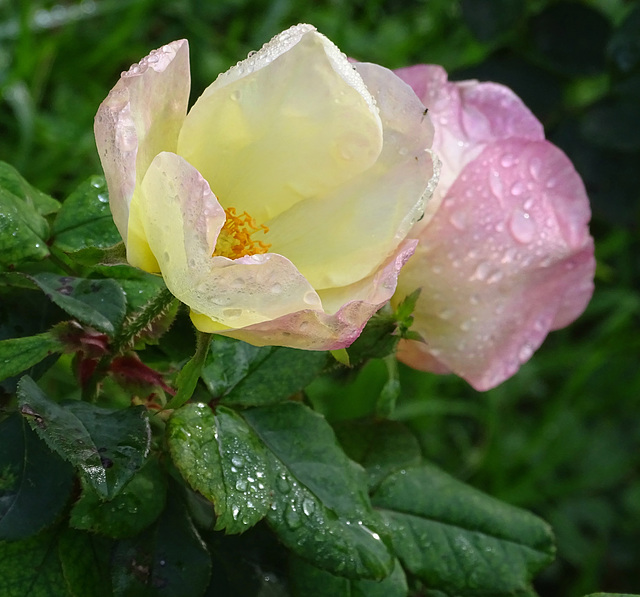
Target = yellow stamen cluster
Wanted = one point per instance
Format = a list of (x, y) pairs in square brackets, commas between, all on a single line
[(235, 240)]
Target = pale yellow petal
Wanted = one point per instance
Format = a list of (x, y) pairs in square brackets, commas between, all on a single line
[(344, 236), (182, 219), (292, 122)]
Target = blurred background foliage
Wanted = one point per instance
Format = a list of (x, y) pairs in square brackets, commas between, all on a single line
[(562, 437)]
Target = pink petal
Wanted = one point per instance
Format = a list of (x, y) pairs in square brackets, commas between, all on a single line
[(141, 117), (467, 116), (505, 259), (318, 330)]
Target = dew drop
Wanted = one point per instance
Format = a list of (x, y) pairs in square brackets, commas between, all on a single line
[(292, 518), (237, 461), (525, 353), (507, 160), (282, 485), (495, 182), (311, 298), (482, 271), (308, 507), (522, 226), (518, 188), (458, 220)]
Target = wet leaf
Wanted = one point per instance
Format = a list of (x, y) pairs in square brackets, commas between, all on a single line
[(241, 374), (35, 483), (85, 563), (98, 303), (320, 509), (309, 581), (128, 513), (23, 232), (222, 458), (459, 540), (12, 181), (31, 567), (18, 354), (168, 560), (106, 446), (85, 221), (381, 447)]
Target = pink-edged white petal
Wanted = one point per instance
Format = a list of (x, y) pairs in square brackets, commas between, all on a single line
[(182, 219), (320, 330), (506, 258), (141, 117)]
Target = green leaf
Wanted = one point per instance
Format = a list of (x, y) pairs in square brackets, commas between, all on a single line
[(222, 458), (381, 447), (114, 255), (98, 303), (31, 567), (107, 446), (23, 231), (139, 287), (241, 374), (12, 181), (458, 540), (128, 513), (85, 563), (35, 483), (85, 220), (309, 581), (377, 340), (320, 509), (168, 560), (18, 354)]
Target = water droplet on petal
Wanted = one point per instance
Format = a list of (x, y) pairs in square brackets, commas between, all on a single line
[(458, 220), (495, 182), (507, 160), (522, 226), (311, 298), (525, 353), (518, 188)]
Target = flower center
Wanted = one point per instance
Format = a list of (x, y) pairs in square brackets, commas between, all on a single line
[(235, 240)]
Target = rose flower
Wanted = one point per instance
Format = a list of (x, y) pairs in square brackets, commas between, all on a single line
[(504, 252), (277, 207)]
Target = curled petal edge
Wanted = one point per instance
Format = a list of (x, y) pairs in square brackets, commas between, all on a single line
[(317, 330)]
